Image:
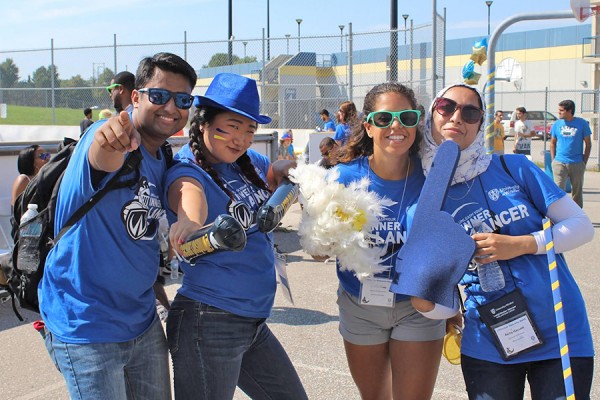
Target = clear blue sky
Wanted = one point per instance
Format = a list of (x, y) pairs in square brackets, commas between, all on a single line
[(30, 24)]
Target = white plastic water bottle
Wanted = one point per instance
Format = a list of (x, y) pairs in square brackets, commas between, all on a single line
[(490, 274), (174, 265), (28, 258)]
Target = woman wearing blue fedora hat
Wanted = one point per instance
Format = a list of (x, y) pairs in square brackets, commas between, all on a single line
[(217, 331)]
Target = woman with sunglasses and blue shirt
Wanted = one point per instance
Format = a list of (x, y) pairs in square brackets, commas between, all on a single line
[(31, 159), (508, 198), (216, 329), (392, 350)]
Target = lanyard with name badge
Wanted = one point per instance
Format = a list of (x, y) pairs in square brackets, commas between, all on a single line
[(375, 291)]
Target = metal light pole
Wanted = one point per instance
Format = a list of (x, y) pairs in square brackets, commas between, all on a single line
[(489, 5), (405, 16), (244, 43), (341, 37), (287, 40), (393, 60), (268, 33), (230, 42), (299, 21)]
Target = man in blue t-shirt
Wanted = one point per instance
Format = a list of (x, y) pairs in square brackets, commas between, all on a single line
[(569, 157), (329, 124), (96, 297)]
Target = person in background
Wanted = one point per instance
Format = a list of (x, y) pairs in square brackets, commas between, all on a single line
[(29, 162), (105, 114), (421, 109), (329, 124), (120, 89), (96, 299), (328, 147), (291, 146), (570, 149), (283, 152), (86, 122), (347, 119), (393, 351), (217, 329), (523, 132), (498, 133), (510, 201)]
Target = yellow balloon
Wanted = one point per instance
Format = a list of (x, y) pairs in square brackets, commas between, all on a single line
[(451, 349), (479, 55), (473, 79)]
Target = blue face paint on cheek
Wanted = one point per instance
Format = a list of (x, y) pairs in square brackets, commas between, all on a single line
[(222, 131)]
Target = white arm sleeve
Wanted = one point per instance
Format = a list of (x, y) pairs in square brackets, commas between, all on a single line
[(572, 227)]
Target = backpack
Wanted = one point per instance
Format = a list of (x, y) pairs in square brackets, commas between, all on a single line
[(43, 191)]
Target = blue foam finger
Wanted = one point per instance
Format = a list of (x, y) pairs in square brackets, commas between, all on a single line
[(438, 250)]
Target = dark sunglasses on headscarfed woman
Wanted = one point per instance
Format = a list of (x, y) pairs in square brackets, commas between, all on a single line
[(447, 107)]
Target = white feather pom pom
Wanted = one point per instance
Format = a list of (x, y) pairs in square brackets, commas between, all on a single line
[(338, 220)]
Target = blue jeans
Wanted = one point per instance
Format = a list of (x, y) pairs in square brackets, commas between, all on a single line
[(137, 369), (490, 381), (213, 351)]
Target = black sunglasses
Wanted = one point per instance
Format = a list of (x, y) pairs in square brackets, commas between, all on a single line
[(447, 107), (160, 97)]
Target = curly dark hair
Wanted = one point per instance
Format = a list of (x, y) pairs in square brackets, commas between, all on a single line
[(359, 143), (206, 115)]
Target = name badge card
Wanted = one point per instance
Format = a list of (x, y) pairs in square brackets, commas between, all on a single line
[(376, 292), (511, 325)]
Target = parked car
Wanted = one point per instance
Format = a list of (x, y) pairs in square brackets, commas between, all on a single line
[(536, 117)]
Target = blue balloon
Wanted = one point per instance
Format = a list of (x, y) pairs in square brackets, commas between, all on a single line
[(468, 69), (481, 43)]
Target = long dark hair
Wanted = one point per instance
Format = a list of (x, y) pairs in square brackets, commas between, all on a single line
[(26, 159), (359, 143), (206, 115)]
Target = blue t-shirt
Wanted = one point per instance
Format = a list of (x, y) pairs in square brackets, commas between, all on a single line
[(569, 139), (97, 284), (329, 126), (242, 282), (342, 133), (517, 207), (392, 227)]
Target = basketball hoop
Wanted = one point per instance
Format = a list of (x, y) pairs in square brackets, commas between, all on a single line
[(582, 9)]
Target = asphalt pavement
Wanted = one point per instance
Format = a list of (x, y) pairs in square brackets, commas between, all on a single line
[(308, 328)]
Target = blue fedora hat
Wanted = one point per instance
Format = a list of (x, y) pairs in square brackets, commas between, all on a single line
[(235, 93)]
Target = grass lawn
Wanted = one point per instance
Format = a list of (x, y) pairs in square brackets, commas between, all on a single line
[(21, 115)]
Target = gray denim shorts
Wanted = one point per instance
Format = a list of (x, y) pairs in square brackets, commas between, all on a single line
[(369, 325)]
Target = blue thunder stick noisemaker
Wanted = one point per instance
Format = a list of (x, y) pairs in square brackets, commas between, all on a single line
[(225, 233), (269, 215)]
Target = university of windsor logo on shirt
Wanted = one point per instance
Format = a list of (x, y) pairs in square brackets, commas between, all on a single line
[(140, 215), (247, 199)]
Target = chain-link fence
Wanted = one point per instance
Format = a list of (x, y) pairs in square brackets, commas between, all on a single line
[(297, 75)]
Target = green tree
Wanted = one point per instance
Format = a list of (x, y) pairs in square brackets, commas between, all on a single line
[(42, 77), (221, 59), (9, 73), (246, 60), (76, 97), (104, 78)]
